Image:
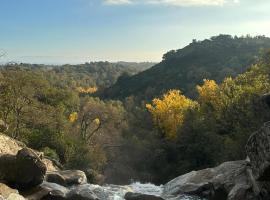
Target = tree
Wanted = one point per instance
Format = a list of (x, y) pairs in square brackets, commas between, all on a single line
[(169, 112), (17, 95)]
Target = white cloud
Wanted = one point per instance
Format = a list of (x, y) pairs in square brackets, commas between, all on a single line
[(117, 2), (183, 3)]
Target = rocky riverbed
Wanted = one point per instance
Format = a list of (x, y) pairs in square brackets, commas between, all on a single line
[(26, 175)]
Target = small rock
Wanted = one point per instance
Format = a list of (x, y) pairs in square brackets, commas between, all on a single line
[(94, 177), (137, 196), (81, 193)]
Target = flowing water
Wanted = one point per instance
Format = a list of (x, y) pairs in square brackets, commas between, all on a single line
[(115, 192)]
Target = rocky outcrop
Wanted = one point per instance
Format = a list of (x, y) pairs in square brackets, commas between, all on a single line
[(67, 177), (223, 182), (258, 151), (137, 196), (25, 170)]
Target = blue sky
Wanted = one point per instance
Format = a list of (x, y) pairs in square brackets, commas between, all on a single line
[(77, 31)]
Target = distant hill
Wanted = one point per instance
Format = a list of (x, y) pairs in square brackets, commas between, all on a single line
[(98, 74), (215, 58)]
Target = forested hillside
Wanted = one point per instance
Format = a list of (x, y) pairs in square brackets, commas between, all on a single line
[(98, 75), (56, 110), (215, 58)]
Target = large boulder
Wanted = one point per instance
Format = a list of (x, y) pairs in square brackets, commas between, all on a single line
[(23, 171), (227, 181), (11, 146), (258, 151), (67, 177), (138, 196)]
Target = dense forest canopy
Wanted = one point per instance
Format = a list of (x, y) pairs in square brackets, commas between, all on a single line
[(215, 58), (56, 109), (93, 74)]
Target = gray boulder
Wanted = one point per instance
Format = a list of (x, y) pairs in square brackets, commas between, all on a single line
[(137, 196), (67, 177), (47, 191), (23, 171), (227, 181), (53, 191), (258, 151)]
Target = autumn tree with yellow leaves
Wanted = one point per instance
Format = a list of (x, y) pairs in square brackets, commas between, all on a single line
[(169, 112), (208, 92)]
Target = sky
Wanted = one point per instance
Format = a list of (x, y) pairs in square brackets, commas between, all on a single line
[(78, 31)]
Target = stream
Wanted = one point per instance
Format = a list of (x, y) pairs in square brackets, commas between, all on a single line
[(116, 192)]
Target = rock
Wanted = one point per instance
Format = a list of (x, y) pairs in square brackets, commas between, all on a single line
[(56, 192), (3, 126), (137, 196), (94, 177), (9, 145), (5, 191), (53, 191), (241, 192), (258, 151), (47, 191), (14, 196), (23, 171), (12, 146), (67, 177), (81, 193), (50, 165), (217, 183)]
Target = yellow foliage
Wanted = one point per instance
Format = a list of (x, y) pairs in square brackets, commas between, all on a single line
[(208, 92), (89, 90), (96, 121), (73, 117), (169, 112)]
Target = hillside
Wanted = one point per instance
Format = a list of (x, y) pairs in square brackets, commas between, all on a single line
[(214, 58), (92, 74)]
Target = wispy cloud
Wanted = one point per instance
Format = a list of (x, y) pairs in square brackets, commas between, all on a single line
[(117, 2), (183, 3)]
